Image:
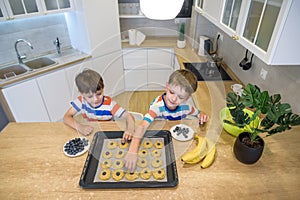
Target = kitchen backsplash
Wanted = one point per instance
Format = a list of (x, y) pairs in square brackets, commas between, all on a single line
[(39, 31)]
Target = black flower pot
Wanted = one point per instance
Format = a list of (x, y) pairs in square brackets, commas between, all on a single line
[(246, 154)]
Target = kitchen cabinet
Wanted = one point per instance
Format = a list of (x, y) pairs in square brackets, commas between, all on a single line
[(3, 12), (230, 15), (147, 68), (17, 9), (266, 27), (211, 9), (51, 6), (94, 27), (26, 102), (56, 94)]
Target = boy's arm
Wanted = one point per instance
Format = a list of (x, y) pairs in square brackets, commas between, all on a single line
[(70, 121), (131, 156), (129, 126)]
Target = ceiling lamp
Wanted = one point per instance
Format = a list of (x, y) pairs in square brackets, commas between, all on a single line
[(161, 9)]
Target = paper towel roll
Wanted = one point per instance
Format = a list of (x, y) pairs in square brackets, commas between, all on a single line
[(132, 36), (140, 37)]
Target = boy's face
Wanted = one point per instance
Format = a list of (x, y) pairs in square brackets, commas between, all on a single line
[(94, 99), (175, 95)]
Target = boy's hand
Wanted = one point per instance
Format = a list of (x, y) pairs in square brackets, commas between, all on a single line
[(127, 136), (203, 117), (130, 161), (85, 129)]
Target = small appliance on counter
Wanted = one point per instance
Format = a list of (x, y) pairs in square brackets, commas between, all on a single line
[(204, 46)]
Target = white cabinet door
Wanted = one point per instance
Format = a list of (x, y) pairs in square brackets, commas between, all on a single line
[(135, 58), (212, 10), (25, 102), (136, 80), (3, 12), (160, 58), (56, 94), (94, 27)]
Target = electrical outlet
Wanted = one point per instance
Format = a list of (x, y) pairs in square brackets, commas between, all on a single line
[(263, 73), (221, 36)]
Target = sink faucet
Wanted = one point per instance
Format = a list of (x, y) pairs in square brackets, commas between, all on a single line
[(57, 45), (20, 58)]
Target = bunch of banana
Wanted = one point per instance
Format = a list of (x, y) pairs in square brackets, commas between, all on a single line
[(205, 150)]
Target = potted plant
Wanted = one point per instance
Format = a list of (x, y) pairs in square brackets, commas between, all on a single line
[(181, 37), (274, 117)]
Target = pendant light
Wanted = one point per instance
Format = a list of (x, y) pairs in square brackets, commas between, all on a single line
[(161, 9)]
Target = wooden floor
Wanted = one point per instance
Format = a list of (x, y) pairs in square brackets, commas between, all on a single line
[(137, 101)]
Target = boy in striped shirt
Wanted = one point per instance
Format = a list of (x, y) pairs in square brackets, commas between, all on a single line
[(94, 106), (172, 105)]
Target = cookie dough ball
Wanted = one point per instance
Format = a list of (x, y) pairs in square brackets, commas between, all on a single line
[(124, 145), (118, 164), (104, 174), (158, 144), (143, 153), (112, 145), (118, 174), (156, 153), (145, 173), (159, 174), (120, 153), (147, 144), (106, 164), (157, 162), (131, 176), (107, 154), (142, 162)]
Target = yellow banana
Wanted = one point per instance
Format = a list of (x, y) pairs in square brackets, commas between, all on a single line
[(196, 154), (209, 158)]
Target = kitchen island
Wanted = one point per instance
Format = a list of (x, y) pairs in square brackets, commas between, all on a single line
[(33, 166)]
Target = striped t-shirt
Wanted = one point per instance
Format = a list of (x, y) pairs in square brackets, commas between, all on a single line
[(105, 111), (159, 110)]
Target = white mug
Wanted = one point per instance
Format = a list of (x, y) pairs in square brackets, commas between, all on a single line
[(239, 92), (236, 87)]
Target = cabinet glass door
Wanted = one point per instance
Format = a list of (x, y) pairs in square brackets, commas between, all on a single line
[(231, 13), (1, 14), (57, 4), (64, 4), (200, 4), (20, 7), (261, 21)]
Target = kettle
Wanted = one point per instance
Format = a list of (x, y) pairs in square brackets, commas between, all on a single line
[(204, 46)]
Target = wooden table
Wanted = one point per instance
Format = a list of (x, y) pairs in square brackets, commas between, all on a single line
[(33, 166)]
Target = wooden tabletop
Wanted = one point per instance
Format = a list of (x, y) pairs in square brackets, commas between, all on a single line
[(33, 166)]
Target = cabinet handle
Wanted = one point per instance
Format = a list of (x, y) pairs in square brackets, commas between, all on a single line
[(235, 37)]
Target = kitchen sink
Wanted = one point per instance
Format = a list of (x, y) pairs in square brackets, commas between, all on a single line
[(206, 73), (40, 63), (12, 71)]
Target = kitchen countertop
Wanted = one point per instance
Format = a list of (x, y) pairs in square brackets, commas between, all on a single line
[(33, 166), (67, 57)]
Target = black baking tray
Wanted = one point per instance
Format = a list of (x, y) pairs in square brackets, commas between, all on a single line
[(92, 162)]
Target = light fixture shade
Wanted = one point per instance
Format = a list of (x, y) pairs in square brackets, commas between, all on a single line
[(161, 9)]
